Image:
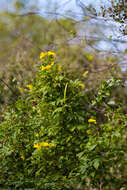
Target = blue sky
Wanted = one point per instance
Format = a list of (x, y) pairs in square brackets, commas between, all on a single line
[(52, 4), (63, 7)]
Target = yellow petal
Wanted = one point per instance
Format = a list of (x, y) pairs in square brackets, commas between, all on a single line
[(85, 73), (45, 144), (92, 121), (29, 86), (43, 68), (51, 53), (81, 85), (52, 63), (48, 66), (37, 146), (43, 54)]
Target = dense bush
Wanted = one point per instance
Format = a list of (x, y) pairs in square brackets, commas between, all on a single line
[(52, 137)]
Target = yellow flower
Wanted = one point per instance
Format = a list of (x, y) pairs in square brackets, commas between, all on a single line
[(89, 132), (81, 85), (37, 146), (85, 73), (51, 53), (92, 121), (29, 86), (43, 68), (22, 157), (45, 144), (43, 54), (59, 68)]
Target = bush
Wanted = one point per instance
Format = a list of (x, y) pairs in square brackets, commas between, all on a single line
[(53, 138)]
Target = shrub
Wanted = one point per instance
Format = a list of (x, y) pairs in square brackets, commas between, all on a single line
[(51, 138)]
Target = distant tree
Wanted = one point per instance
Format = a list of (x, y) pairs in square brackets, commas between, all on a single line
[(119, 10)]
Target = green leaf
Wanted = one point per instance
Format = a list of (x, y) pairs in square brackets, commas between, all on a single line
[(80, 154), (96, 163), (125, 51)]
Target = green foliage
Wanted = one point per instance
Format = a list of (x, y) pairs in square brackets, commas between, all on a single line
[(59, 132), (50, 139)]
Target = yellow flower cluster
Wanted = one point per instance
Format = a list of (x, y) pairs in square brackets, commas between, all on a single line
[(92, 121), (50, 56), (43, 144), (45, 54), (48, 66)]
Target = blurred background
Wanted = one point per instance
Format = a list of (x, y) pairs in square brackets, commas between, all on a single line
[(88, 35)]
